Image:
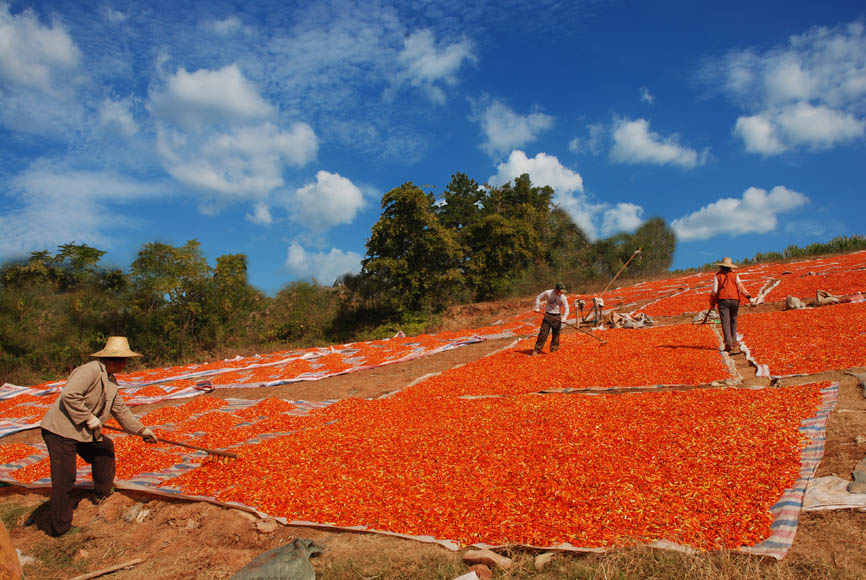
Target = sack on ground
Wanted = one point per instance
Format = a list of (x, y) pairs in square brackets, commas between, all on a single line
[(289, 562)]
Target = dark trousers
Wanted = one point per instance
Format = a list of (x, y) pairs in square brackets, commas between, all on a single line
[(61, 454), (551, 322), (728, 314)]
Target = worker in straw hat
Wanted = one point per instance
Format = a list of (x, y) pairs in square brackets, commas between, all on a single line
[(727, 293), (555, 312), (72, 426)]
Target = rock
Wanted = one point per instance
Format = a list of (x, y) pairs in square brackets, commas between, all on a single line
[(137, 513), (267, 526), (81, 554), (481, 571), (855, 487), (192, 524), (467, 576), (24, 559), (860, 439), (487, 557), (542, 560)]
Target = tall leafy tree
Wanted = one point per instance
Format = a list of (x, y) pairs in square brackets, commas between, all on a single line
[(462, 207), (412, 261)]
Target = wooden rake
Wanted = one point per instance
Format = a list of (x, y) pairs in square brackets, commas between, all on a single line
[(179, 444)]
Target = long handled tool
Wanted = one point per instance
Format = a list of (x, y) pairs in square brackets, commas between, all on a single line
[(179, 444), (586, 332)]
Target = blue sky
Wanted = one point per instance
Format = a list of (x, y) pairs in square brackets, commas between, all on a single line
[(274, 128)]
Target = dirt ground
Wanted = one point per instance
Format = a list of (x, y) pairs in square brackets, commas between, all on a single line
[(187, 540)]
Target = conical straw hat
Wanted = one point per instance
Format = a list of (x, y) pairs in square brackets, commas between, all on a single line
[(727, 263), (117, 346)]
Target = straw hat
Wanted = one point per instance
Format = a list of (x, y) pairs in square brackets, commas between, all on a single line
[(727, 263), (116, 347)]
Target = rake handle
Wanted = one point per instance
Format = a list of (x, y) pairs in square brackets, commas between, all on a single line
[(585, 332), (178, 443)]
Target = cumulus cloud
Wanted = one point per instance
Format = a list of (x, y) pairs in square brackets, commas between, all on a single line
[(544, 169), (756, 212), (624, 217), (808, 93), (633, 142), (323, 267), (594, 218), (424, 64), (32, 55), (331, 200), (505, 130), (245, 162), (209, 97), (800, 124), (117, 115)]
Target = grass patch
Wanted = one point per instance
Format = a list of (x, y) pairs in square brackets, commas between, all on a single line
[(12, 514), (351, 557), (55, 557)]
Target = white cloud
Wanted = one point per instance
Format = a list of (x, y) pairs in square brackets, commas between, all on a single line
[(112, 15), (261, 214), (505, 130), (424, 64), (758, 135), (800, 124), (117, 115), (634, 143), (247, 162), (331, 200), (592, 217), (33, 55), (757, 212), (324, 267), (209, 97), (809, 93), (224, 27), (646, 96), (55, 205), (624, 217), (543, 169)]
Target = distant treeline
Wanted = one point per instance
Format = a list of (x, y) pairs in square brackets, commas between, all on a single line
[(423, 255), (838, 245)]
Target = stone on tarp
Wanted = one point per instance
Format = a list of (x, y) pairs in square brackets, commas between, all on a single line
[(487, 557), (859, 483), (793, 303), (699, 317), (289, 562)]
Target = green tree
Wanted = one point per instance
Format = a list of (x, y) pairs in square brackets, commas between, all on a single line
[(500, 249), (169, 298), (412, 261), (462, 207), (657, 243)]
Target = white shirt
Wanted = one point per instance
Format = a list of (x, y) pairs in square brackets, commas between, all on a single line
[(553, 303)]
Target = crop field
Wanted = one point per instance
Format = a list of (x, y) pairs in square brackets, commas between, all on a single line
[(650, 436)]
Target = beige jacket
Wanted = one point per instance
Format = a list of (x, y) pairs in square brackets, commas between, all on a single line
[(89, 390)]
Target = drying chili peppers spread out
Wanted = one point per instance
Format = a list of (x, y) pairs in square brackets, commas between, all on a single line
[(700, 468), (670, 355), (807, 341)]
